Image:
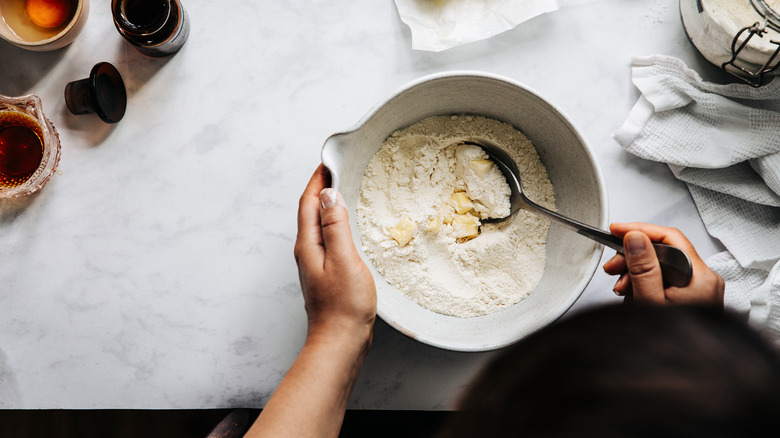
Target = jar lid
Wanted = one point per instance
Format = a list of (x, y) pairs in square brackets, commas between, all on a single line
[(103, 92), (770, 10)]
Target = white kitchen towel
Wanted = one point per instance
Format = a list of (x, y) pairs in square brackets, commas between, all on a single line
[(723, 141)]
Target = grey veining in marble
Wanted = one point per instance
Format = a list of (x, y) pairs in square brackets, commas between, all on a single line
[(155, 269)]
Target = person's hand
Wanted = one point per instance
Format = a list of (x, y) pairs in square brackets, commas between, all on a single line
[(338, 289), (340, 300), (640, 274)]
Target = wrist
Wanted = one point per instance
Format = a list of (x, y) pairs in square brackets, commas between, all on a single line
[(342, 334)]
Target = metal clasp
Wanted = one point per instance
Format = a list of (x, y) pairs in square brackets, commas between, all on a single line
[(755, 78)]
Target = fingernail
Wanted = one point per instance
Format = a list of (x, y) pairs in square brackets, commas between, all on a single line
[(635, 244), (331, 198), (618, 285)]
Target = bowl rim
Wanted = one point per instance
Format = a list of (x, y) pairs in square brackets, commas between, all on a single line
[(589, 151)]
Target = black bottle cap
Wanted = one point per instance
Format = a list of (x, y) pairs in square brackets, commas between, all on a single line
[(103, 92)]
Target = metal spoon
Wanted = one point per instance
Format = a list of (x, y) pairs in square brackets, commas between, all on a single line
[(676, 268)]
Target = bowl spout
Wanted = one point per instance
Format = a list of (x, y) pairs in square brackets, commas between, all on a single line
[(332, 155)]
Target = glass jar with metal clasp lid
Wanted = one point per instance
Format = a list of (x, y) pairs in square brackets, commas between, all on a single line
[(742, 37)]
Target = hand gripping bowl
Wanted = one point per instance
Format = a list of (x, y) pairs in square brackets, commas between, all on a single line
[(572, 168)]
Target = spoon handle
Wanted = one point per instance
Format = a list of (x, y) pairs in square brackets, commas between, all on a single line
[(676, 268)]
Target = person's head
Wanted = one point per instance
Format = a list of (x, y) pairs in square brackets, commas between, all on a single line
[(627, 371)]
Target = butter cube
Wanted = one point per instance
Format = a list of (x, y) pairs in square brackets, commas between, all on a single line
[(434, 225), (403, 231), (465, 226), (481, 167), (445, 213), (461, 203)]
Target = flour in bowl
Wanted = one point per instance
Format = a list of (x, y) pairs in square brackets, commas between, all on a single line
[(423, 198)]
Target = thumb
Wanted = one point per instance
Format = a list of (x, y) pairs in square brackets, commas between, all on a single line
[(643, 268), (334, 222)]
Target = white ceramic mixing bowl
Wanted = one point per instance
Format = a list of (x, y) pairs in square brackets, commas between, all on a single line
[(572, 168)]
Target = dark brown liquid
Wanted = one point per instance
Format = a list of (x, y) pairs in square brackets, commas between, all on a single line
[(21, 148), (156, 28), (145, 12)]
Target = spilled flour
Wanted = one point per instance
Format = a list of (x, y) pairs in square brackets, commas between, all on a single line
[(422, 200)]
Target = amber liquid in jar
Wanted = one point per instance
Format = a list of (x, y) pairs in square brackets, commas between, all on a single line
[(21, 148)]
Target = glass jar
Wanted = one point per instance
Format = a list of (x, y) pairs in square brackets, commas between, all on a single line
[(156, 28), (741, 37), (29, 146)]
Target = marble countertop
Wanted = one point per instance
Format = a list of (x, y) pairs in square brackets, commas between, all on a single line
[(155, 269)]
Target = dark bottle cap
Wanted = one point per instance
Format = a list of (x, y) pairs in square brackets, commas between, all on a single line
[(103, 92)]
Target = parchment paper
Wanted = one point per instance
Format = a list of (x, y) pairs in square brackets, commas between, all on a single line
[(441, 24)]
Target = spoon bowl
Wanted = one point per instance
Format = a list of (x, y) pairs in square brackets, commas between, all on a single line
[(676, 267)]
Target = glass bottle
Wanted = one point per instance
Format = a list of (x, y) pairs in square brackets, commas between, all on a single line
[(156, 28)]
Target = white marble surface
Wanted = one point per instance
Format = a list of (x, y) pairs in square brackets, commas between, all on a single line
[(155, 269)]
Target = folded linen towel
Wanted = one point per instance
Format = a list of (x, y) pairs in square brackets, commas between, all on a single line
[(723, 141)]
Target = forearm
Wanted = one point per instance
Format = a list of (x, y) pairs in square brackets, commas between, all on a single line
[(312, 398), (340, 301)]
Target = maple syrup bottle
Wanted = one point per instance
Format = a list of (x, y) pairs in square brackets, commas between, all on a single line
[(156, 28)]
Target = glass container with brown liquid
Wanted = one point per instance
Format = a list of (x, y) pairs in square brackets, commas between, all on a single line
[(29, 146), (156, 28)]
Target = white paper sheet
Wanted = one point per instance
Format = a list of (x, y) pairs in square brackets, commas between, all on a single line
[(441, 24)]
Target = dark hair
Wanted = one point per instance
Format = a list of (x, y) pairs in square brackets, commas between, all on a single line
[(628, 371)]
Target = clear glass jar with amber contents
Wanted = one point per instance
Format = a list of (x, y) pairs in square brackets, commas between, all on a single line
[(29, 146)]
